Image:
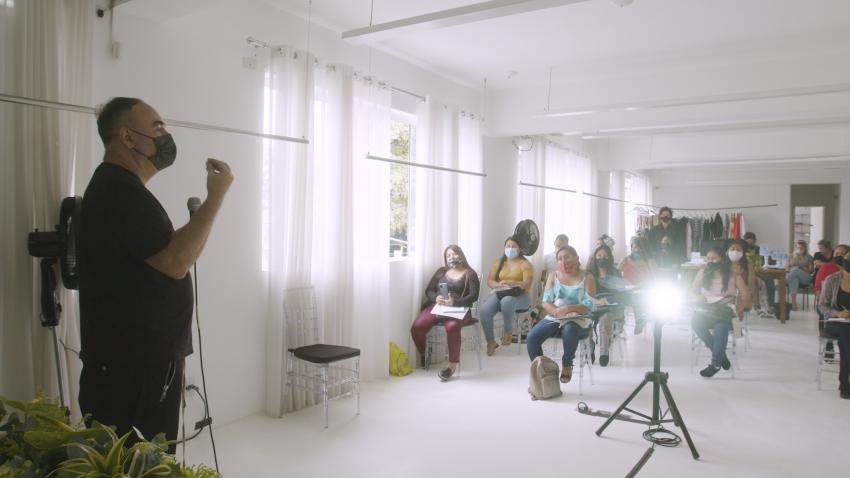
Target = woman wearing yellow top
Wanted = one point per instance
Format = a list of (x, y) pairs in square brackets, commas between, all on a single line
[(511, 271)]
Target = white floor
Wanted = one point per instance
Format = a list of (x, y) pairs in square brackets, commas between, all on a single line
[(768, 421)]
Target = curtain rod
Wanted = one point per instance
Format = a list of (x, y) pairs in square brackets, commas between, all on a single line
[(547, 187), (55, 105), (427, 166), (644, 205), (262, 44)]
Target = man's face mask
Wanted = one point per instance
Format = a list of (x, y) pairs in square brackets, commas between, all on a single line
[(166, 150)]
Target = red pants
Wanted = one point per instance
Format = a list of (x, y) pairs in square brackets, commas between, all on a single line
[(425, 320)]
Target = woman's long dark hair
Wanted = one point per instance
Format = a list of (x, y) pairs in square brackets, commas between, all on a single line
[(725, 269), (504, 257), (593, 266), (743, 261), (457, 250)]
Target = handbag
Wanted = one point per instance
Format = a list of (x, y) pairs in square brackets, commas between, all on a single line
[(514, 291)]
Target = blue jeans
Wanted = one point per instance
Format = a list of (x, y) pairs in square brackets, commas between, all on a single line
[(796, 278), (704, 325), (507, 306), (571, 333)]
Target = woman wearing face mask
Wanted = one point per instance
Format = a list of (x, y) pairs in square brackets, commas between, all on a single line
[(834, 302), (462, 289), (736, 252), (609, 282), (799, 268), (566, 298), (637, 271), (512, 274), (716, 286), (826, 270)]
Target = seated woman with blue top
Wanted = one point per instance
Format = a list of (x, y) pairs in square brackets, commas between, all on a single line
[(510, 279), (567, 299)]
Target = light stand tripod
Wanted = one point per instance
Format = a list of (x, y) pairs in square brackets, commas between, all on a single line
[(659, 385)]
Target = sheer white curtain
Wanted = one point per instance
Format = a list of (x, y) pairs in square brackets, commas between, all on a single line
[(555, 211), (470, 189), (568, 212), (287, 195), (446, 205), (45, 52), (329, 211), (637, 189), (531, 201)]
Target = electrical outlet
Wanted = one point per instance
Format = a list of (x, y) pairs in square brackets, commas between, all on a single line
[(249, 62)]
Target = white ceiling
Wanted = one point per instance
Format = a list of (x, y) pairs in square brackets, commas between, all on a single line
[(592, 37)]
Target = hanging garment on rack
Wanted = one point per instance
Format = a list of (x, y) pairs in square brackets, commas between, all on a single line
[(717, 228)]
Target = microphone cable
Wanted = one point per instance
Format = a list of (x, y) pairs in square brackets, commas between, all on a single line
[(208, 418)]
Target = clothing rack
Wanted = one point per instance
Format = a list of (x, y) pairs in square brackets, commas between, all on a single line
[(644, 206)]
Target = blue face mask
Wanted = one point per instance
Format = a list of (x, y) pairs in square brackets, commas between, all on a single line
[(510, 252), (636, 256)]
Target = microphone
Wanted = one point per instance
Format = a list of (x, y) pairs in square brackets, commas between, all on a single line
[(193, 204)]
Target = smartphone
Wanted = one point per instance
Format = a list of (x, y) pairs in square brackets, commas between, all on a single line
[(443, 289)]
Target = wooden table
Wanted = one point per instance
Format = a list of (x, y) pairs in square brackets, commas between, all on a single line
[(689, 270), (767, 274)]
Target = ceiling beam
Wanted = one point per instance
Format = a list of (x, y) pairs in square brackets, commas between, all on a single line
[(449, 18)]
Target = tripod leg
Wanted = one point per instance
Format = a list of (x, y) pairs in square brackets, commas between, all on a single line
[(58, 366), (621, 408), (678, 419)]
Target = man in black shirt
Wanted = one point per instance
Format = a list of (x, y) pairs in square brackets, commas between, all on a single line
[(673, 231), (136, 298)]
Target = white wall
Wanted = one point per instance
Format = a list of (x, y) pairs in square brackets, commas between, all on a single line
[(190, 68)]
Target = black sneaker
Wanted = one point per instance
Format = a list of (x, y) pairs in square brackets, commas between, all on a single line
[(445, 374), (709, 371), (726, 364), (844, 395), (603, 360)]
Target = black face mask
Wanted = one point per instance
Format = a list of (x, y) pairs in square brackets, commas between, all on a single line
[(453, 263), (712, 267), (604, 263), (838, 260), (166, 150), (665, 219)]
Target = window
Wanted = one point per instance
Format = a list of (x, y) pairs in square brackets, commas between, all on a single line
[(401, 147)]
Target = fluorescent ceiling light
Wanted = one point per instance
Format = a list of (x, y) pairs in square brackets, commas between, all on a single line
[(699, 100), (449, 18)]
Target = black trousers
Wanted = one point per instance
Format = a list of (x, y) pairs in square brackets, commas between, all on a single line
[(842, 331), (126, 396)]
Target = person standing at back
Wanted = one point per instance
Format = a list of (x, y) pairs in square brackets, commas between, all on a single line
[(136, 298), (550, 262)]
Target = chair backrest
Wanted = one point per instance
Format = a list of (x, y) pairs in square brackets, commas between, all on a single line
[(301, 317)]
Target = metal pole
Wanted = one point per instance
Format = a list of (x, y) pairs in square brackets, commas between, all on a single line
[(58, 366)]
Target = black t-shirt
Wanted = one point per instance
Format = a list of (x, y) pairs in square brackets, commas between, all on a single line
[(129, 311)]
